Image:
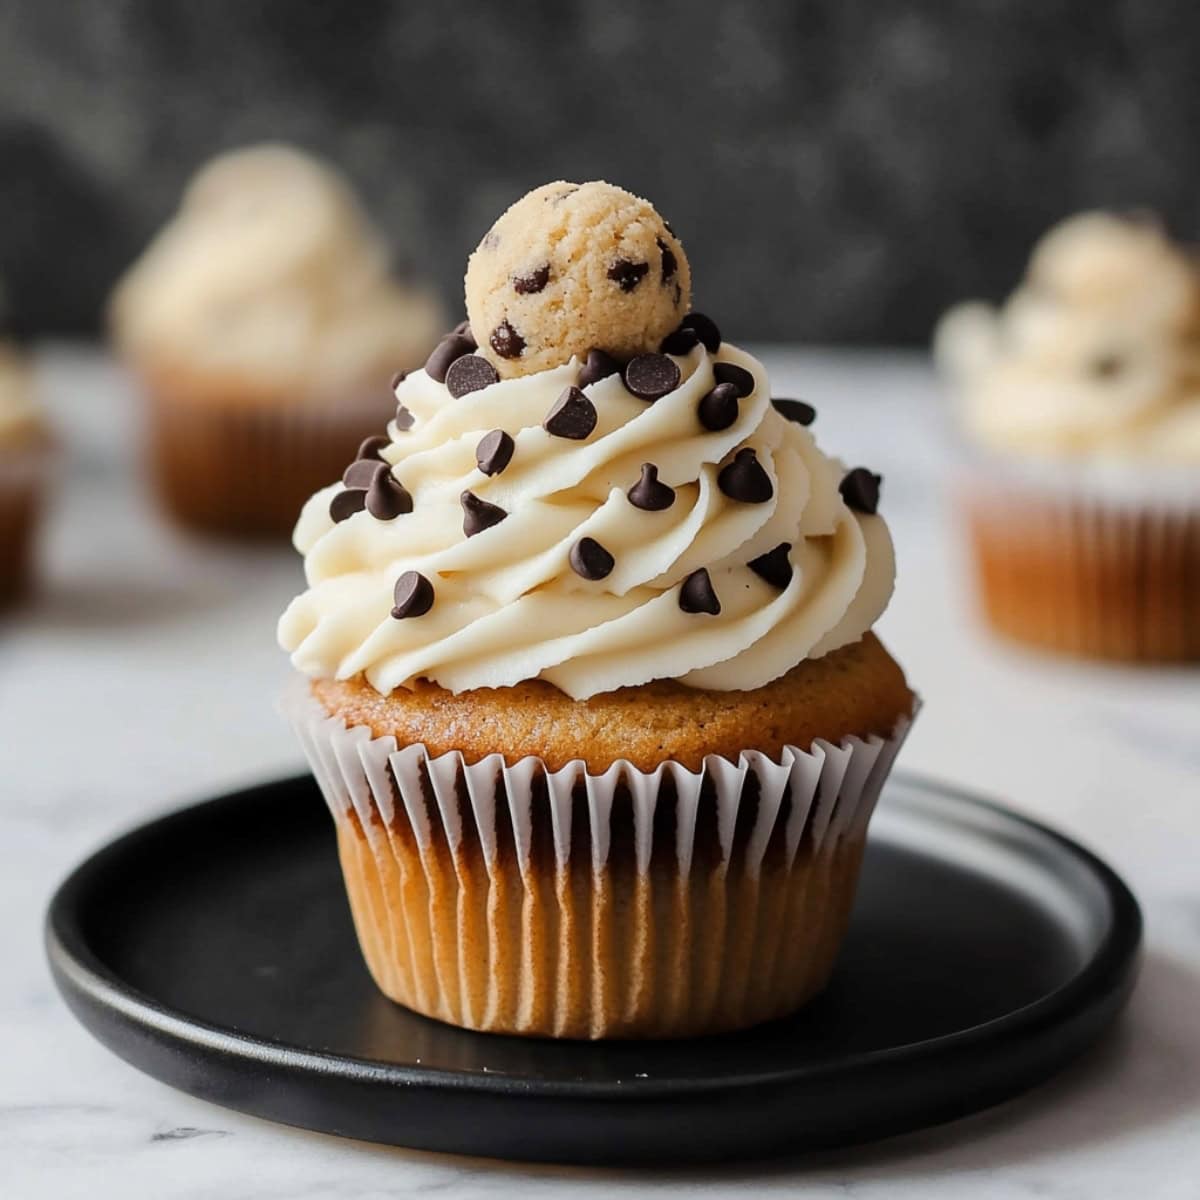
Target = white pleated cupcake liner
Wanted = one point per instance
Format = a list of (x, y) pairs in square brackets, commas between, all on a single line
[(832, 790)]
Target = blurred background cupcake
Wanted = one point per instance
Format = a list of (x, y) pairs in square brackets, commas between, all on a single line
[(1079, 403), (24, 454), (264, 324)]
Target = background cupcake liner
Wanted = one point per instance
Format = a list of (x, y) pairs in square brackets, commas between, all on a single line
[(24, 471), (244, 466), (1097, 562), (522, 900)]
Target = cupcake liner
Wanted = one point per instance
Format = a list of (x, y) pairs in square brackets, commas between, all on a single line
[(1097, 562), (243, 465), (516, 899), (23, 473)]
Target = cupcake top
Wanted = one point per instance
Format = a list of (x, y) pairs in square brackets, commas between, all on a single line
[(598, 521), (1095, 355), (271, 273), (20, 417)]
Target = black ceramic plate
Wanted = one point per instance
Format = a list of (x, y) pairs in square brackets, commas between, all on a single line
[(213, 949)]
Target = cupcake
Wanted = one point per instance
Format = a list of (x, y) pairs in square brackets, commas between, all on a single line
[(264, 326), (24, 451), (1078, 403), (592, 691)]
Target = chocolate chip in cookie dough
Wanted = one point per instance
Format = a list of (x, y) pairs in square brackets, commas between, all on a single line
[(682, 341), (506, 341), (471, 373), (651, 376), (649, 493), (361, 473), (479, 515), (387, 497), (669, 262), (451, 348), (775, 567), (412, 596), (598, 366), (696, 594), (404, 419), (494, 452), (590, 560), (573, 416), (860, 490), (718, 409), (795, 410), (627, 275), (745, 479), (738, 376), (706, 330), (346, 504), (532, 282)]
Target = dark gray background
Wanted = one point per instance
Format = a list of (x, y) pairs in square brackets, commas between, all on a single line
[(838, 170)]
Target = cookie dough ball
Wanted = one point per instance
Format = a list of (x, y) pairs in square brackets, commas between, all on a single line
[(575, 267)]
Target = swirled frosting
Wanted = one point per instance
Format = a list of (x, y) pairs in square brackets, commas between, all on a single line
[(271, 271), (1095, 356), (508, 606)]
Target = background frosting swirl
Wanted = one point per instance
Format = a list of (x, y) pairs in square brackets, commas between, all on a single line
[(508, 605)]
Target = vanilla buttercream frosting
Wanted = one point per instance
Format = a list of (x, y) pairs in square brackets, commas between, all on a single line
[(398, 591), (271, 272), (1096, 355)]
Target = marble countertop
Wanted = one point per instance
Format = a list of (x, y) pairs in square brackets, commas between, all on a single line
[(145, 675)]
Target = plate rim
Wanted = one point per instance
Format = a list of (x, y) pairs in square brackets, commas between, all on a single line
[(82, 977)]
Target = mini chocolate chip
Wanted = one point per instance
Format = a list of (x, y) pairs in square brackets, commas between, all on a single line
[(706, 329), (346, 504), (413, 596), (696, 594), (387, 497), (718, 409), (471, 373), (371, 447), (590, 559), (506, 341), (682, 341), (627, 275), (775, 567), (650, 494), (533, 281), (361, 473), (573, 416), (479, 515), (598, 366), (451, 348), (738, 376), (745, 479), (494, 452), (651, 376), (860, 490), (669, 263), (404, 419), (795, 410), (398, 379), (1107, 366)]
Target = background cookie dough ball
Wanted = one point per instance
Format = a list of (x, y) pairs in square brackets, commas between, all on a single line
[(575, 267)]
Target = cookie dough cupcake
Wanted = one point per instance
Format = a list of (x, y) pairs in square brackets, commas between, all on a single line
[(264, 326), (1078, 403), (592, 691), (24, 458)]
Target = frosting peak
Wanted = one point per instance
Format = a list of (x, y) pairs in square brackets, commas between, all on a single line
[(622, 541), (271, 269)]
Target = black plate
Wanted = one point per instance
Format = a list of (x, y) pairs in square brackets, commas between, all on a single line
[(213, 949)]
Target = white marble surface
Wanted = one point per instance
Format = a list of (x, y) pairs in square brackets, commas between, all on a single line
[(145, 675)]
